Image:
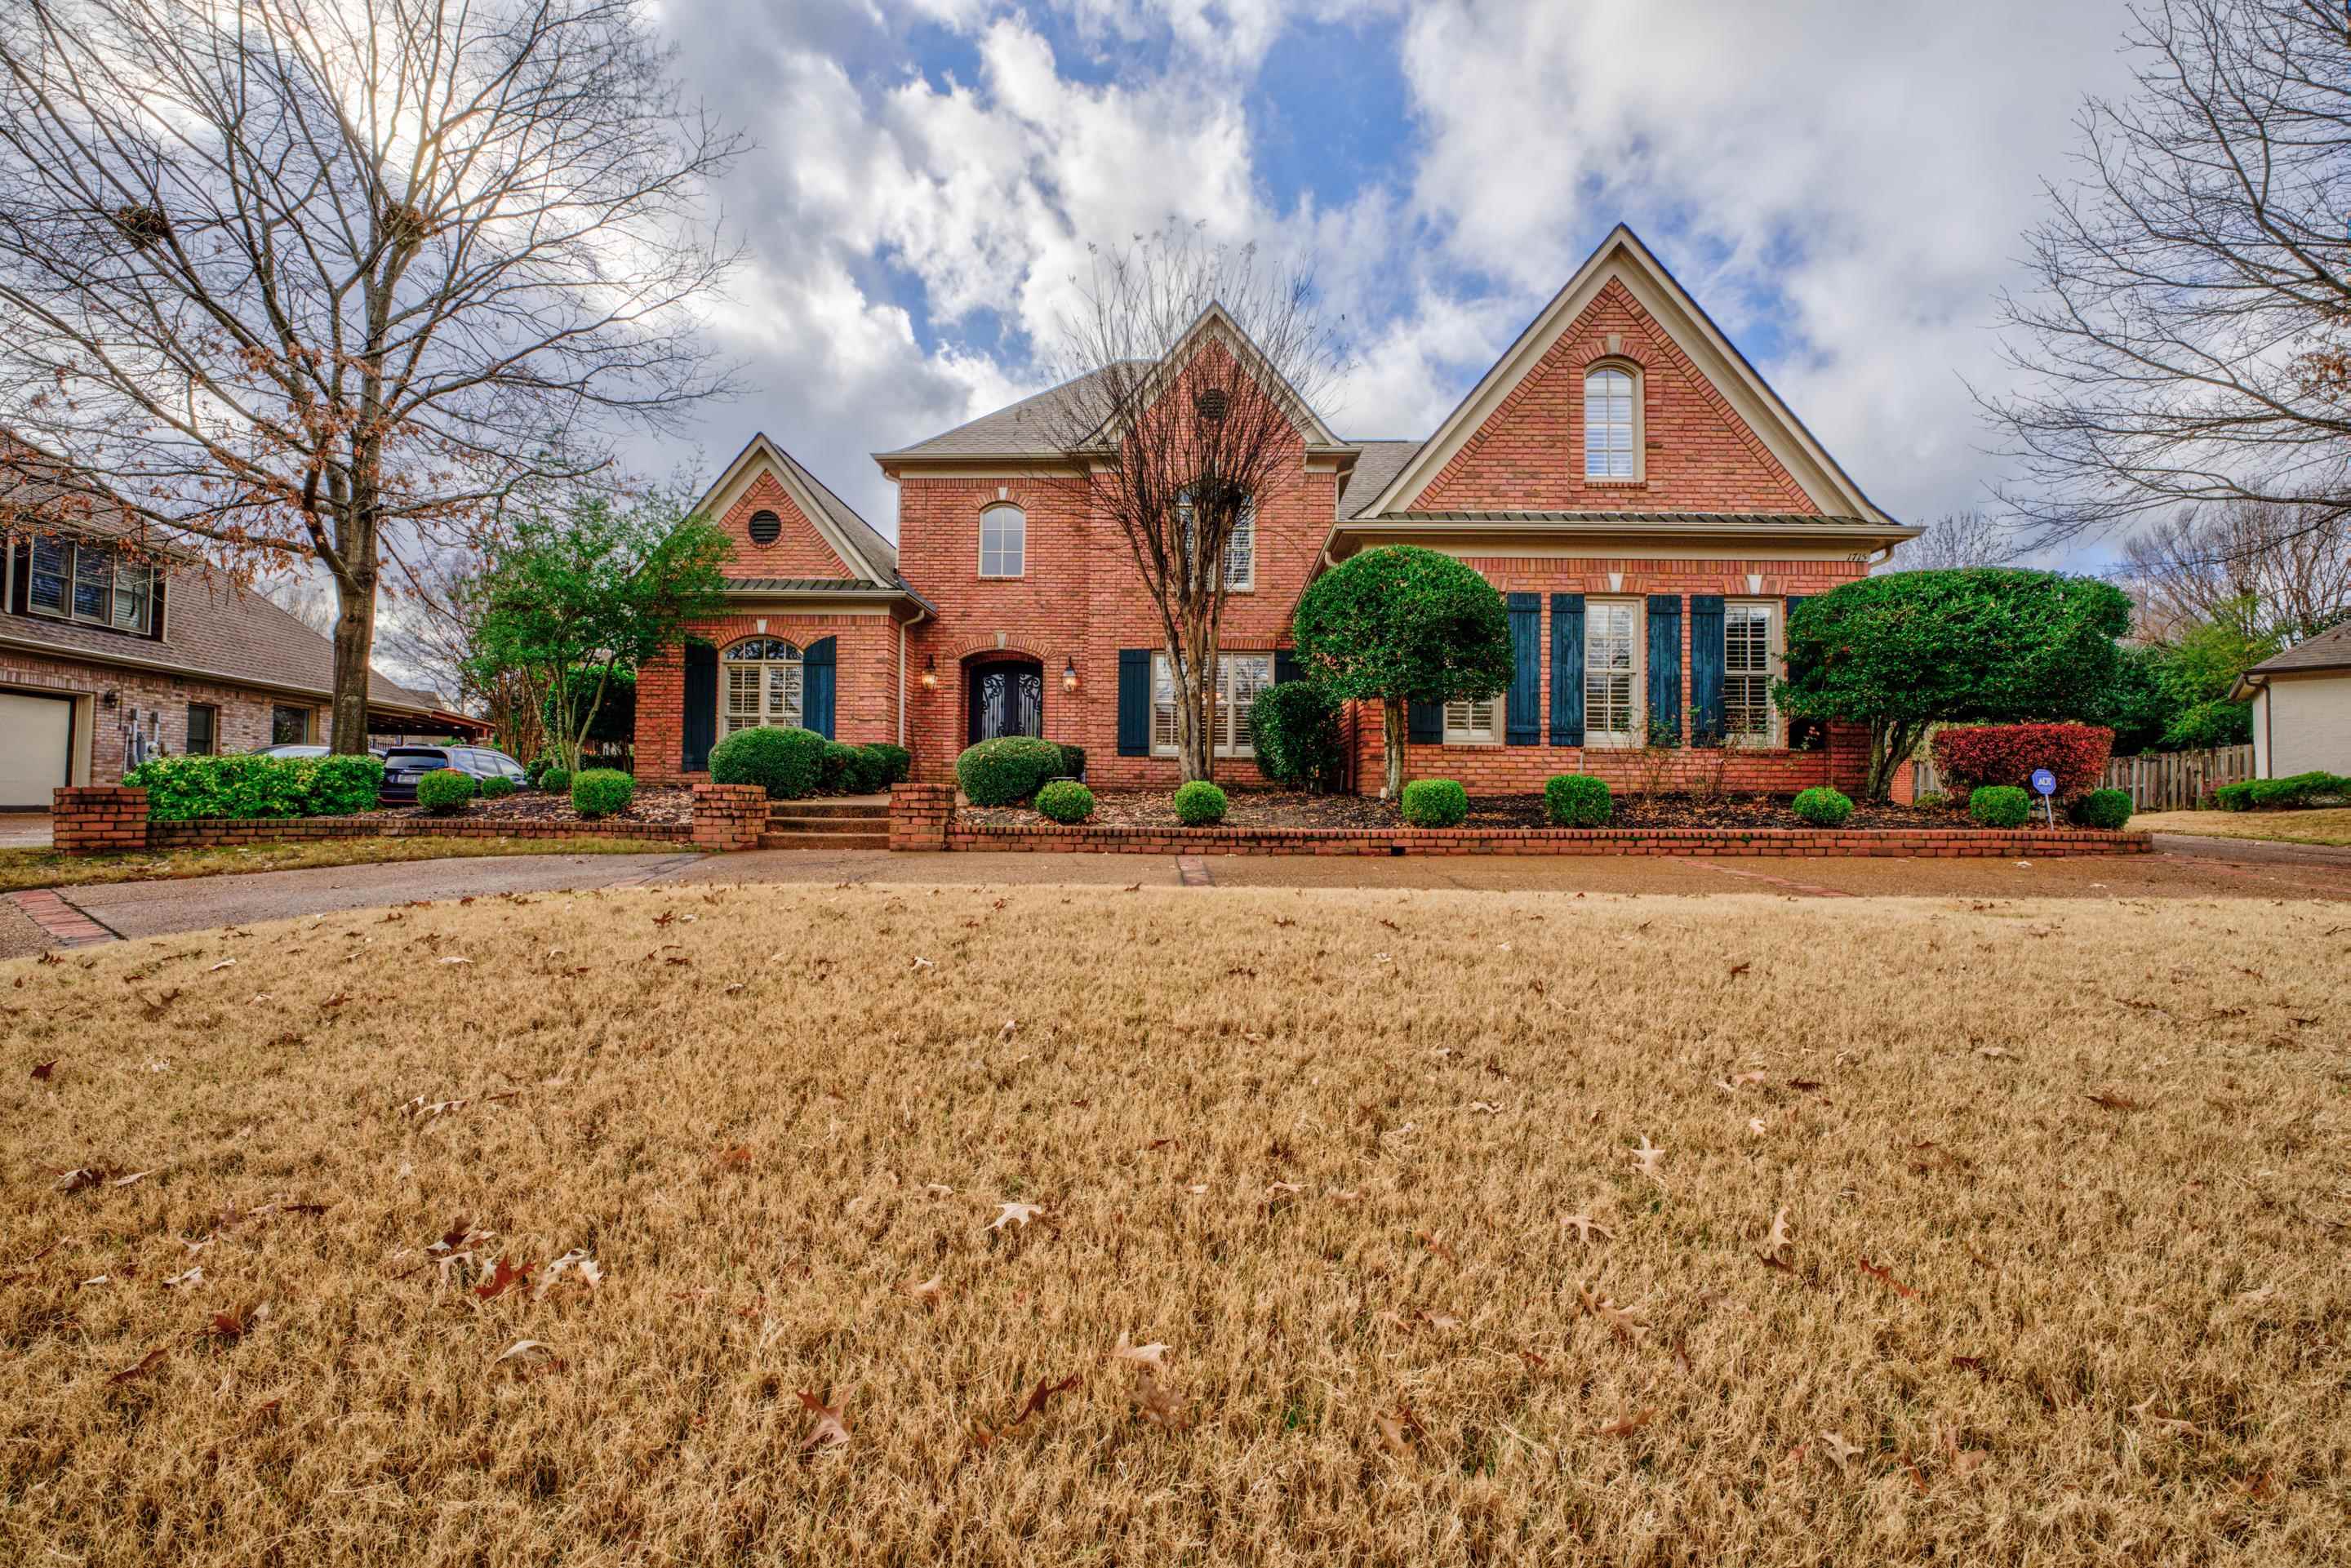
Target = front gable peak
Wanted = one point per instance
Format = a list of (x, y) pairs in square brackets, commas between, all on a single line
[(781, 516)]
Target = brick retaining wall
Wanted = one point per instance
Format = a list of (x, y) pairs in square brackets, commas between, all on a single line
[(729, 816), (99, 819)]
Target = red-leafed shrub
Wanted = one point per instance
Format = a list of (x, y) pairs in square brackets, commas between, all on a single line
[(1972, 755)]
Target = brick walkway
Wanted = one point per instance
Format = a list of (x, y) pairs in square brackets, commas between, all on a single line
[(60, 921)]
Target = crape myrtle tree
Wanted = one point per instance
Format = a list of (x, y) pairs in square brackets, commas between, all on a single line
[(1914, 649), (1401, 624), (1193, 368), (295, 279), (573, 598)]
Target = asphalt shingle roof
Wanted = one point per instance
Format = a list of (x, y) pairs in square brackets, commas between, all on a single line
[(1024, 429), (2330, 649)]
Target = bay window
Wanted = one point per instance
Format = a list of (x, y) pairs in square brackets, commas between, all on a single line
[(1239, 678)]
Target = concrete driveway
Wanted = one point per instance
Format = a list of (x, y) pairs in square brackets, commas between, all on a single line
[(23, 829)]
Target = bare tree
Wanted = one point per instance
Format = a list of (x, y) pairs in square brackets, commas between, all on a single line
[(2189, 336), (1194, 368), (1957, 541), (297, 278), (2259, 566)]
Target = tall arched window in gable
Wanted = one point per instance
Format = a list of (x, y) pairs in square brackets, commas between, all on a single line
[(1612, 423), (1003, 540), (762, 685)]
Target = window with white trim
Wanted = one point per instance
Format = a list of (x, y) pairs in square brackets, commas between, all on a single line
[(762, 685), (1240, 677), (81, 581), (1612, 673), (1611, 424), (1746, 712), (1240, 546), (1474, 723), (1003, 541)]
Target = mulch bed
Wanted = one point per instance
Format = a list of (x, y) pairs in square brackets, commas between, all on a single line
[(665, 804), (1270, 809)]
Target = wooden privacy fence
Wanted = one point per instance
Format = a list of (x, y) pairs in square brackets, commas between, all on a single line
[(2157, 780)]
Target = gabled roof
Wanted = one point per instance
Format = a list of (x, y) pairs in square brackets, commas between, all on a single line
[(858, 543), (1377, 463), (1623, 258), (2330, 649), (1023, 429)]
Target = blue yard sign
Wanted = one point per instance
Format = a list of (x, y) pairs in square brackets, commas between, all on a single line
[(2044, 784)]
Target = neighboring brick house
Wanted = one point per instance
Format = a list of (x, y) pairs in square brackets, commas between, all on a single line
[(107, 652), (1643, 500)]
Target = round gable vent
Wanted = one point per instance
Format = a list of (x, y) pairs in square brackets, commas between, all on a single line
[(765, 528)]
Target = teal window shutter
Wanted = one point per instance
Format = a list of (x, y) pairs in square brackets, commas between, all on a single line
[(1803, 734), (1567, 669), (698, 723), (1523, 719), (816, 687), (1705, 669), (1134, 702), (1424, 724), (1666, 663)]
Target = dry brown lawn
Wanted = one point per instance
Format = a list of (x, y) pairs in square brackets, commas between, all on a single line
[(1437, 1228), (50, 868), (2323, 825)]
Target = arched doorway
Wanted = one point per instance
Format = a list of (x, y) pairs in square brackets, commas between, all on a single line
[(1004, 693)]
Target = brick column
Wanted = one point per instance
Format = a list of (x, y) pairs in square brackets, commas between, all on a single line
[(919, 815), (729, 816), (99, 819)]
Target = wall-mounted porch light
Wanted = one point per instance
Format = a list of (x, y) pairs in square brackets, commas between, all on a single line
[(930, 672), (1070, 675)]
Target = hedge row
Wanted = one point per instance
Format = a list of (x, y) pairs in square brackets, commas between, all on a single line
[(180, 787)]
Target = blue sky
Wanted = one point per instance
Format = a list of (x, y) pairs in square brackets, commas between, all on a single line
[(1842, 184)]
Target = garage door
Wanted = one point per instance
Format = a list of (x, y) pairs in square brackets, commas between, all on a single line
[(34, 733)]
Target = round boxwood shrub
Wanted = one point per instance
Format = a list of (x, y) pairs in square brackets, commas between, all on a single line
[(556, 780), (2106, 809), (786, 763), (444, 790), (602, 791), (897, 762), (2000, 806), (1200, 804), (840, 769), (497, 786), (1578, 801), (1066, 800), (1073, 762), (1007, 770), (1435, 803), (1295, 728), (1822, 806)]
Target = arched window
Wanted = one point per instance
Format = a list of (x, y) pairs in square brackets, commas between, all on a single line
[(762, 685), (1612, 424), (1003, 541)]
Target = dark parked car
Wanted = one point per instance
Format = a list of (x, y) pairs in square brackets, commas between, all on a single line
[(405, 765)]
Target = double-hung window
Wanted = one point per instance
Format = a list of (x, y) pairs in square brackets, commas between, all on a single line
[(1611, 425), (1746, 672), (1612, 673), (81, 581), (762, 685), (1239, 678), (1474, 723), (1240, 546)]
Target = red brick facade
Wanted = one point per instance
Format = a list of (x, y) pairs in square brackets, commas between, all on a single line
[(798, 549), (157, 700)]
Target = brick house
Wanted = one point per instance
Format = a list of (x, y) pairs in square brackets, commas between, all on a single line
[(108, 653), (1645, 503)]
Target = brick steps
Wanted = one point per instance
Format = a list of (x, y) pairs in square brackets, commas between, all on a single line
[(876, 810), (852, 824), (807, 839)]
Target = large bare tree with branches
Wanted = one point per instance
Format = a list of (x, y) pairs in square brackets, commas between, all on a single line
[(295, 278), (2189, 340), (1193, 369), (2258, 566), (1957, 541)]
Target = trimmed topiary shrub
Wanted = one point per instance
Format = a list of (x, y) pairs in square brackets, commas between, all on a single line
[(1822, 807), (1578, 801), (898, 763), (556, 780), (840, 769), (1200, 804), (342, 784), (1435, 803), (444, 791), (2314, 788), (1007, 770), (2106, 809), (497, 786), (787, 763), (242, 785), (602, 791), (868, 771), (1066, 800), (2000, 806), (1969, 755), (1295, 728)]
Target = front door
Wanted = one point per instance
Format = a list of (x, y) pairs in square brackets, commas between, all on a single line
[(1007, 699)]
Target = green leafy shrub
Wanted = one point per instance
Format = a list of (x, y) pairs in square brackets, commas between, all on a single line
[(868, 771), (2000, 806), (1578, 801), (839, 768), (602, 791), (1066, 800), (2237, 797), (556, 780), (1295, 728), (444, 791), (180, 787), (1073, 761), (497, 786), (1435, 803), (534, 772), (1933, 801), (2314, 789), (1200, 804), (1822, 806), (898, 762), (2106, 809), (1007, 770), (786, 763)]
